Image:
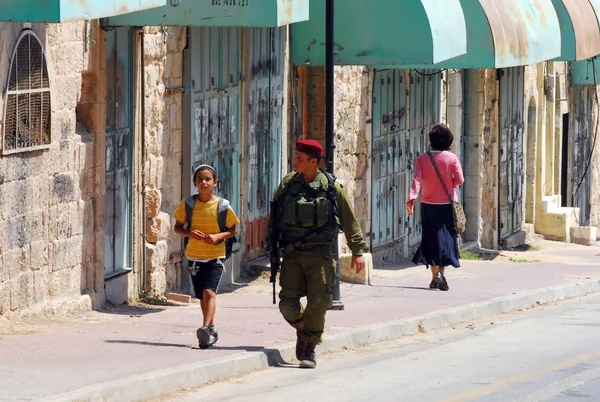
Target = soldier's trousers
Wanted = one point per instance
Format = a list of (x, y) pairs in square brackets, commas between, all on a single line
[(309, 273)]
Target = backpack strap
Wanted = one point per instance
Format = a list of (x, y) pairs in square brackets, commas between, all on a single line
[(222, 210), (190, 202), (331, 179)]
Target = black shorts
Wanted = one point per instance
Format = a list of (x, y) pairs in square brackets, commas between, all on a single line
[(206, 276)]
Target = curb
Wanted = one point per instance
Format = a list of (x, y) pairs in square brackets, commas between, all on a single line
[(151, 385)]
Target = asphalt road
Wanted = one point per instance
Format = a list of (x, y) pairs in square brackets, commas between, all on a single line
[(548, 353)]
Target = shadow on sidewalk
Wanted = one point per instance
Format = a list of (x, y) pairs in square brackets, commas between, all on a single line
[(136, 310), (274, 357), (394, 265), (403, 287)]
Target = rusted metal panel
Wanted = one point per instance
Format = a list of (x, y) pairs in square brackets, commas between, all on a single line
[(581, 125), (384, 32), (511, 171), (396, 146), (524, 31), (70, 10), (219, 13), (579, 27), (216, 106), (507, 33), (119, 121), (586, 72), (425, 104), (389, 157), (265, 84)]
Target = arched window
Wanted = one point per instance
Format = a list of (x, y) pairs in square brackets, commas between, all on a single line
[(27, 105)]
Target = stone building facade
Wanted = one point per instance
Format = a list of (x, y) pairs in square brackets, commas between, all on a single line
[(51, 199)]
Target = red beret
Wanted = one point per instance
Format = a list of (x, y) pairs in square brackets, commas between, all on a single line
[(310, 147)]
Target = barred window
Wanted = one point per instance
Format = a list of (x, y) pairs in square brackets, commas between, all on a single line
[(27, 104)]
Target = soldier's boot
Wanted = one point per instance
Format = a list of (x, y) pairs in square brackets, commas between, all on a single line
[(309, 359), (300, 344)]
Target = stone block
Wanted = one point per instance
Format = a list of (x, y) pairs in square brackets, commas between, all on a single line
[(176, 38), (63, 221), (41, 285), (86, 214), (76, 221), (177, 297), (65, 188), (158, 228), (119, 288), (4, 297), (3, 238), (514, 240), (175, 141), (67, 253), (99, 240), (153, 202), (156, 256), (67, 91), (157, 283), (14, 264), (98, 213), (21, 291), (349, 275), (14, 199), (38, 254), (585, 235), (56, 33), (67, 57), (88, 248), (155, 170)]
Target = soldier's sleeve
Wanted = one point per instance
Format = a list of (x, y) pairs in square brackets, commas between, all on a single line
[(349, 223)]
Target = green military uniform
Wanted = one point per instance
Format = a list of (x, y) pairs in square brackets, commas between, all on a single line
[(309, 269)]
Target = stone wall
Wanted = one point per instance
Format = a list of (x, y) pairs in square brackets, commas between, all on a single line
[(163, 61), (51, 201), (351, 131)]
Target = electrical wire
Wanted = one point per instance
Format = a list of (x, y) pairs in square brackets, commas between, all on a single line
[(430, 74)]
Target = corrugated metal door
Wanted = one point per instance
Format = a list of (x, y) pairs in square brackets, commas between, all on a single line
[(119, 122), (425, 109), (216, 106), (388, 215), (512, 124), (266, 48), (396, 146), (582, 129)]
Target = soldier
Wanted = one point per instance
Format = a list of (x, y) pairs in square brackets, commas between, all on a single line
[(308, 210)]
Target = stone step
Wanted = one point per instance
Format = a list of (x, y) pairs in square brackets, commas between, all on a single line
[(585, 235), (550, 203)]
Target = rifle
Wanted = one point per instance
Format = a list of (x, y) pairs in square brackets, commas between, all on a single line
[(274, 235)]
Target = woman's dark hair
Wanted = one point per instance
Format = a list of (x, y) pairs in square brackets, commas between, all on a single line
[(440, 137)]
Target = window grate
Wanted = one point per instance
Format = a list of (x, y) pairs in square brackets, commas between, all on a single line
[(27, 123)]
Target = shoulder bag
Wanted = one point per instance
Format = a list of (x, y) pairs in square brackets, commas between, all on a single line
[(458, 214)]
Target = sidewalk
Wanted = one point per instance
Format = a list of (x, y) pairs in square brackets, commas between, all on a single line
[(131, 352)]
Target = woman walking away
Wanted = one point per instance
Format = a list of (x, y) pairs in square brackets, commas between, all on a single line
[(439, 244)]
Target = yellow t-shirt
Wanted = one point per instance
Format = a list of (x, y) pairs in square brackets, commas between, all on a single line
[(204, 219)]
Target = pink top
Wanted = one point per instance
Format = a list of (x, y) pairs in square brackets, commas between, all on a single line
[(425, 175)]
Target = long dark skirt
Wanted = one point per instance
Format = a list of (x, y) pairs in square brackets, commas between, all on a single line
[(439, 245)]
